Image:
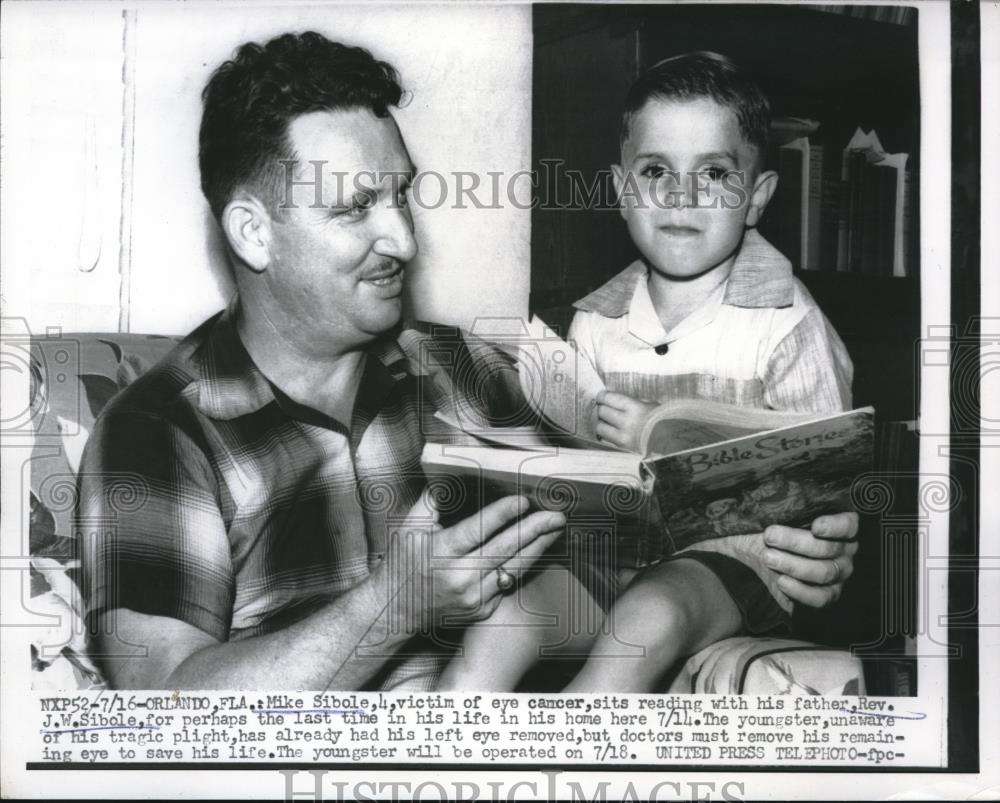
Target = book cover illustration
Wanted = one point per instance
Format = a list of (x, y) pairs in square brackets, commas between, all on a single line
[(788, 476)]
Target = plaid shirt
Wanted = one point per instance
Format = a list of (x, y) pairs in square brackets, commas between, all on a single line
[(206, 495), (759, 341)]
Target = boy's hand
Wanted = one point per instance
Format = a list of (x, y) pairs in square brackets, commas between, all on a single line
[(620, 419)]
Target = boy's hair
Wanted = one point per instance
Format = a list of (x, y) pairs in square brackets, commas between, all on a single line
[(250, 100), (703, 74)]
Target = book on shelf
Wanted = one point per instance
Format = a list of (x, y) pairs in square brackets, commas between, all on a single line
[(788, 229), (807, 202), (870, 223), (875, 226), (898, 204), (896, 15), (810, 199), (853, 160), (702, 470)]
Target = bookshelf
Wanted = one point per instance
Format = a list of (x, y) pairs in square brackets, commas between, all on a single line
[(846, 67)]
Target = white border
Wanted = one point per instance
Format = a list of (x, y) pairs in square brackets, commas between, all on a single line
[(935, 267)]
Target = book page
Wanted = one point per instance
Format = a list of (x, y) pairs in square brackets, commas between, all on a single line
[(515, 437), (560, 383), (583, 465), (678, 435), (591, 484), (693, 423)]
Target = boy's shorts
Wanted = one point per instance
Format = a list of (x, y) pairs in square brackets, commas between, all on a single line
[(760, 612)]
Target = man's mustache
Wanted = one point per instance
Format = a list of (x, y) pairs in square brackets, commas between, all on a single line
[(384, 269)]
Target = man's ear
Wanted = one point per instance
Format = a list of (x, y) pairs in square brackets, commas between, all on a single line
[(763, 189), (247, 226)]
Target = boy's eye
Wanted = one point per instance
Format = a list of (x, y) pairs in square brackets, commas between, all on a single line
[(715, 173), (653, 171)]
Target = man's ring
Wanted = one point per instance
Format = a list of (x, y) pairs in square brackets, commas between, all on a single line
[(505, 580), (836, 572)]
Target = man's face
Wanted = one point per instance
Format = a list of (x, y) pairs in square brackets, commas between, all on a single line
[(336, 269), (682, 170)]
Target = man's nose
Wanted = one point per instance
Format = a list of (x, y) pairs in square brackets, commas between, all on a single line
[(395, 233)]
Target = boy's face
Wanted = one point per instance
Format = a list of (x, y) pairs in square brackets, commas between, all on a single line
[(689, 186)]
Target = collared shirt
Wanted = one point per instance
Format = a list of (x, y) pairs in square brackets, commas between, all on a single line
[(207, 495), (758, 341)]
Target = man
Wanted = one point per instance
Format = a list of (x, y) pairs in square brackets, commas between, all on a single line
[(280, 536)]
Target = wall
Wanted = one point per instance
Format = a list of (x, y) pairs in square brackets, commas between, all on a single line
[(469, 71), (62, 161)]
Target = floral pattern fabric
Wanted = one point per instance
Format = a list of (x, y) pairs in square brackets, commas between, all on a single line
[(72, 378)]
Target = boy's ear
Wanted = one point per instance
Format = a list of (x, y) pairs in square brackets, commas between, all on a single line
[(763, 189), (618, 177), (247, 226)]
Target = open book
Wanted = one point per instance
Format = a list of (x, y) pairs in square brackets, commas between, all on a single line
[(704, 469)]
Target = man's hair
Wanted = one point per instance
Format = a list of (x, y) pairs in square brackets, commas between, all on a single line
[(250, 101), (703, 74)]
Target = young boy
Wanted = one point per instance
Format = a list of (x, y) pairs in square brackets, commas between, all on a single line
[(710, 311)]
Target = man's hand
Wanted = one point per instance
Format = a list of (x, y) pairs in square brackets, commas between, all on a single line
[(430, 572), (620, 419), (813, 563)]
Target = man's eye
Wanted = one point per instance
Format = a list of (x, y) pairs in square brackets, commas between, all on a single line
[(653, 171), (360, 205), (403, 198), (359, 208)]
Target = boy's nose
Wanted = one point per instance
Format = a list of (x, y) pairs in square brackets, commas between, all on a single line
[(678, 190)]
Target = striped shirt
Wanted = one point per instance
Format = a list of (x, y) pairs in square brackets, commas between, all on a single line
[(206, 495), (758, 341)]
